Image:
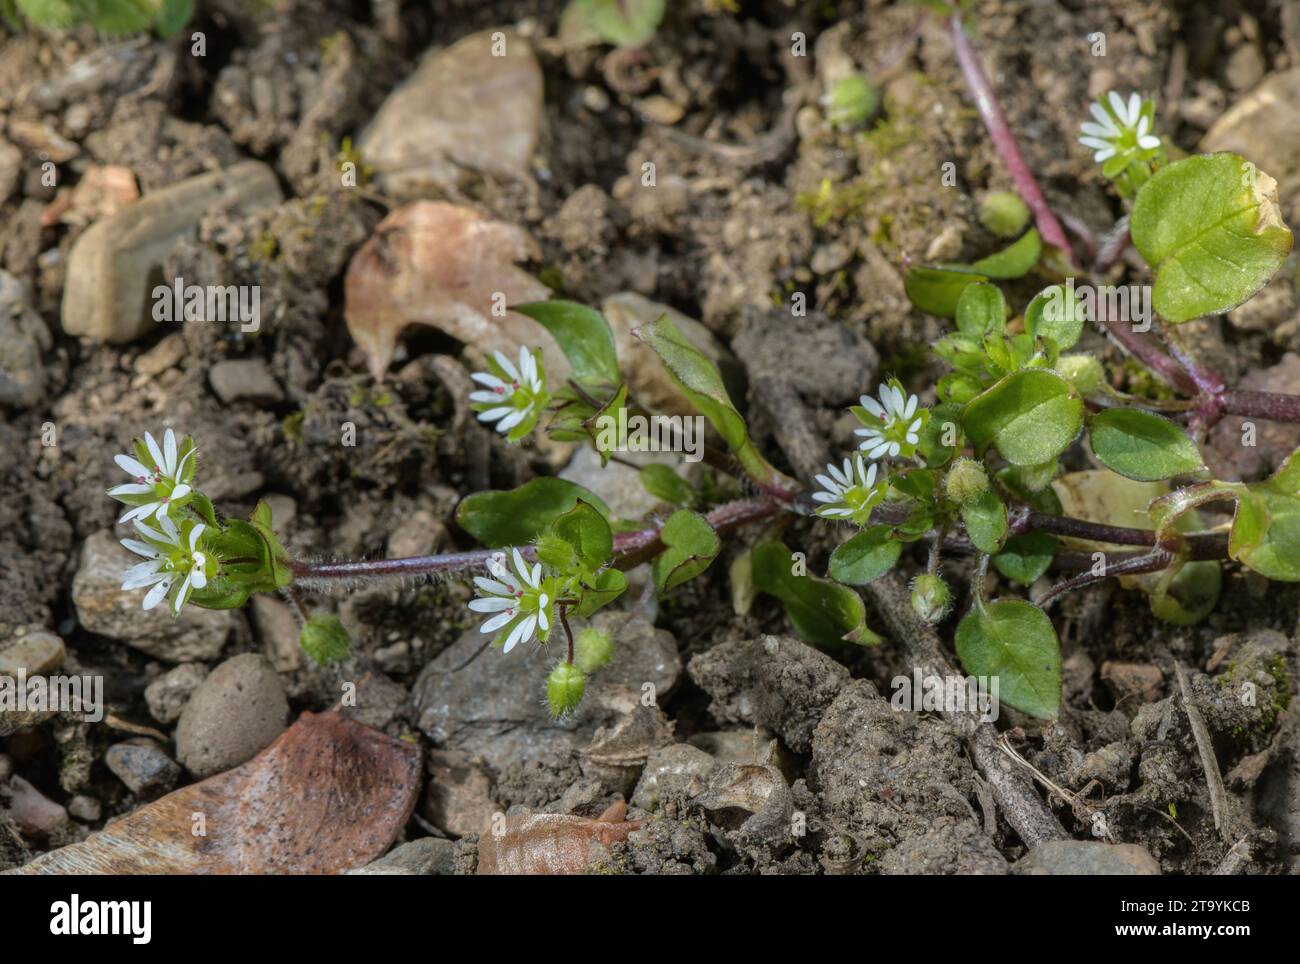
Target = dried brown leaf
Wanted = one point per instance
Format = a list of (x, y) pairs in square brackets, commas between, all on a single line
[(550, 843), (439, 264), (327, 796)]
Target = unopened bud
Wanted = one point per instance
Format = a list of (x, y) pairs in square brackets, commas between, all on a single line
[(1003, 213), (930, 597), (564, 689), (966, 481), (851, 102), (324, 639), (1083, 372), (592, 649)]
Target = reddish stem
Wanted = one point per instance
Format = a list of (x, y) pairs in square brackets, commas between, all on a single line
[(1269, 405), (1005, 142)]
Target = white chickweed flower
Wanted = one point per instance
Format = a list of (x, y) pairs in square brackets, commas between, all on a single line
[(1119, 127), (520, 601), (851, 492), (512, 396), (893, 424), (161, 477), (173, 562)]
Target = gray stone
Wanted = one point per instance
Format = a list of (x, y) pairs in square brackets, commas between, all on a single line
[(465, 107), (142, 766), (277, 629), (234, 714), (680, 770), (618, 484), (102, 607), (34, 814), (24, 340), (113, 266), (1087, 857), (244, 380), (777, 681), (11, 164), (1262, 126), (167, 695), (162, 356), (458, 797), (86, 809), (38, 653), (494, 707), (428, 856)]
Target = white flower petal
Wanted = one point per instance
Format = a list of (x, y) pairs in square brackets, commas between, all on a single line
[(155, 452), (484, 397), (1134, 108), (1105, 155), (490, 381), (491, 604), (515, 635), (492, 586), (131, 467), (497, 621), (169, 452), (156, 594), (506, 365), (825, 497), (1149, 143), (198, 577), (140, 548), (873, 407), (492, 414), (1096, 143), (130, 488), (511, 420), (195, 534), (1096, 130)]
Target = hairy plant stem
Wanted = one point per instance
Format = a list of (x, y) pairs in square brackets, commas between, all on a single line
[(630, 548)]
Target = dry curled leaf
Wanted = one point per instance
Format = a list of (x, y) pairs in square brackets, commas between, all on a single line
[(439, 264), (327, 796), (550, 843)]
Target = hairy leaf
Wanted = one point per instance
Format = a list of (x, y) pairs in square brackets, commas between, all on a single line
[(1031, 417), (1014, 641)]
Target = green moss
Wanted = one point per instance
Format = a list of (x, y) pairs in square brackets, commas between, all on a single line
[(264, 248), (292, 426)]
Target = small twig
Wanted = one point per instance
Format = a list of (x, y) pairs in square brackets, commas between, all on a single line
[(1238, 856), (1209, 763)]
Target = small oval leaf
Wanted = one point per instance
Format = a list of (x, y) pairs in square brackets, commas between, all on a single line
[(1142, 446), (1030, 416), (1014, 641), (866, 557)]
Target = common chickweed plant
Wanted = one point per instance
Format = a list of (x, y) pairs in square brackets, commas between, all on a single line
[(970, 470)]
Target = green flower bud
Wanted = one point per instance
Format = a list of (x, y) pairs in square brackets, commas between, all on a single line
[(1083, 372), (324, 639), (966, 481), (1003, 213), (851, 102), (592, 649), (564, 689), (930, 597)]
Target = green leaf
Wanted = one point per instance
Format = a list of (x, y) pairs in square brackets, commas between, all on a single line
[(936, 290), (1014, 261), (981, 309), (624, 23), (588, 535), (1142, 446), (1275, 551), (202, 505), (1211, 229), (585, 338), (702, 384), (1015, 642), (118, 18), (665, 484), (600, 590), (986, 522), (1027, 556), (276, 557), (1031, 417), (691, 544), (1055, 313), (519, 516), (823, 613), (866, 557), (172, 16)]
